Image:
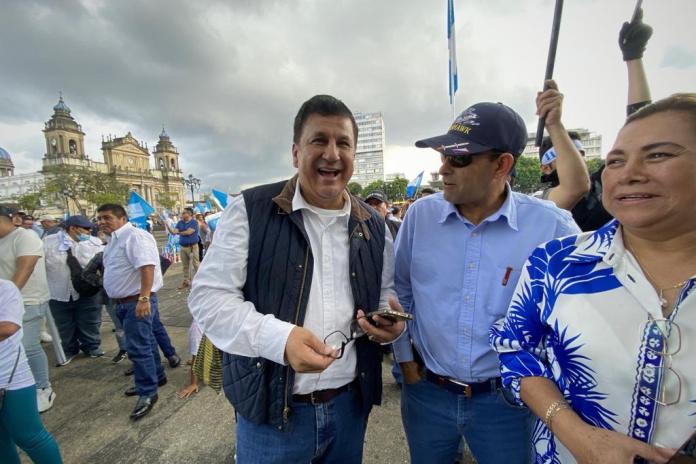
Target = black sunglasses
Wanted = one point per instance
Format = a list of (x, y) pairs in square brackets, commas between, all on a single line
[(462, 161)]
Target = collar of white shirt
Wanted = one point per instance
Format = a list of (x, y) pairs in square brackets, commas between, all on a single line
[(122, 231), (298, 203)]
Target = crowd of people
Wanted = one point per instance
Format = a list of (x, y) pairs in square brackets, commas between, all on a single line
[(550, 330)]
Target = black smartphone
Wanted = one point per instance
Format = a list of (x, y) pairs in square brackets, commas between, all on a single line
[(390, 314), (686, 453)]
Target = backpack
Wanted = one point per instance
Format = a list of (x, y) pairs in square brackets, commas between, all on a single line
[(81, 286), (589, 213)]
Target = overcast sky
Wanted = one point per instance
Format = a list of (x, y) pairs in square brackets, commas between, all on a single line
[(226, 78)]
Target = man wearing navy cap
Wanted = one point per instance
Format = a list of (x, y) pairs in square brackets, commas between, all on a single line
[(78, 317), (458, 257)]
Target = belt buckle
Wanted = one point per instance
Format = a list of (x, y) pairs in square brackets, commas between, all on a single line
[(312, 400), (467, 388)]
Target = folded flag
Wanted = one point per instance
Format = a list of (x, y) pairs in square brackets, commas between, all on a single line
[(221, 198)]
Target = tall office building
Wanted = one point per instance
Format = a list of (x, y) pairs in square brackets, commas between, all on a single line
[(591, 141), (369, 154)]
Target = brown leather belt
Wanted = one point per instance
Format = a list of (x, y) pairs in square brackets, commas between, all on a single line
[(130, 299), (321, 396)]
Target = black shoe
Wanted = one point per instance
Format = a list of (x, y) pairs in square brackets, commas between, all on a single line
[(120, 356), (132, 391), (143, 407), (128, 371), (174, 360)]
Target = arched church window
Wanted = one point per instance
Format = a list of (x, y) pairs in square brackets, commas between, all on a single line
[(72, 146), (173, 163), (161, 164)]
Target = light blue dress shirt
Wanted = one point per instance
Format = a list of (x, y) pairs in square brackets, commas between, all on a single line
[(457, 279)]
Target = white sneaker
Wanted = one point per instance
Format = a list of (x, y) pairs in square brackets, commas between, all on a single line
[(44, 398), (46, 337)]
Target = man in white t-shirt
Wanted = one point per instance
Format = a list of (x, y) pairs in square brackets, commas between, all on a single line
[(22, 262)]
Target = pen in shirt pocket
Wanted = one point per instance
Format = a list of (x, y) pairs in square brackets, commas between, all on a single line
[(506, 277)]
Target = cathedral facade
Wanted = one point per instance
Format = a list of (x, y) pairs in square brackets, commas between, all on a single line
[(154, 176)]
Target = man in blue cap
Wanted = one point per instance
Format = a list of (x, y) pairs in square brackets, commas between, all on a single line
[(78, 317), (459, 254)]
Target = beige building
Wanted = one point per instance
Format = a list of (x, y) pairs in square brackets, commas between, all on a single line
[(125, 158)]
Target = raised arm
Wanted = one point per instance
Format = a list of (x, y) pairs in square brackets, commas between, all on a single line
[(633, 39), (573, 178)]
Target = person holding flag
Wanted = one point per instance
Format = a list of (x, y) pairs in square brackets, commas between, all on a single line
[(187, 228)]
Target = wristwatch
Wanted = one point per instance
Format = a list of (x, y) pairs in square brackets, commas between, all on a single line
[(144, 299)]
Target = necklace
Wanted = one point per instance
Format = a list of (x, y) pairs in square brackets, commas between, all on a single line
[(660, 291)]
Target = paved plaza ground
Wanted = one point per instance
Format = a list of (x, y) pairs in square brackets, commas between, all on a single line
[(90, 421)]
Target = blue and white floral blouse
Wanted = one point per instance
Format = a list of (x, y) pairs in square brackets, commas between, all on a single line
[(580, 317)]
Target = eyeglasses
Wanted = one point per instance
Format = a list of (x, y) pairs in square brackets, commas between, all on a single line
[(666, 346), (338, 340), (462, 161)]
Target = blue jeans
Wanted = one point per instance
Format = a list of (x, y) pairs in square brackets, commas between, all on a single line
[(142, 347), (162, 337), (120, 334), (21, 426), (79, 324), (435, 421), (332, 432), (38, 362)]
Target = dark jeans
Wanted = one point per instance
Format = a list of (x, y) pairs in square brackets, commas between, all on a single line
[(162, 337), (79, 324), (142, 346), (332, 432)]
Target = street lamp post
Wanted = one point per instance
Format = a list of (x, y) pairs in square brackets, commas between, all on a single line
[(192, 183)]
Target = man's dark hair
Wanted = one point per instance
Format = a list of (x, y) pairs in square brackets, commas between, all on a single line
[(117, 210), (189, 210), (683, 102), (324, 105), (427, 190)]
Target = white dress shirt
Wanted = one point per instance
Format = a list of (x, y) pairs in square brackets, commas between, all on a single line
[(233, 324), (128, 250), (57, 271)]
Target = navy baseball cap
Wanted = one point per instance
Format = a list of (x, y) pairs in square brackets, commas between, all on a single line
[(376, 196), (78, 221), (8, 211), (482, 127)]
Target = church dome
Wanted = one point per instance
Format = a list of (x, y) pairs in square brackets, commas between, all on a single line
[(4, 155), (61, 106), (164, 135)]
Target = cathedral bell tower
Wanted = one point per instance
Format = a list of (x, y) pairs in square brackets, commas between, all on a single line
[(64, 136), (167, 156)]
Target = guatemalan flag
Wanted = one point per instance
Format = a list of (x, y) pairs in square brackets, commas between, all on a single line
[(412, 186), (139, 210), (221, 198), (451, 45)]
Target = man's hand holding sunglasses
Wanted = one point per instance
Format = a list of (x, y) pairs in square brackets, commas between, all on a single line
[(306, 353), (382, 330)]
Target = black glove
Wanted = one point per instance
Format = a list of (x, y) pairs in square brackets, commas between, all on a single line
[(633, 38)]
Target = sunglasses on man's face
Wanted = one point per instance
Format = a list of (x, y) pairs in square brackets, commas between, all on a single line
[(462, 161)]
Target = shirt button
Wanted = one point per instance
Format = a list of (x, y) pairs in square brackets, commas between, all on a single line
[(472, 265), (475, 234)]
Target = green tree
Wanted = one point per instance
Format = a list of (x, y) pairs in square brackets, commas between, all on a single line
[(167, 200), (593, 164), (84, 186), (31, 201), (354, 188), (374, 186), (396, 189), (528, 174)]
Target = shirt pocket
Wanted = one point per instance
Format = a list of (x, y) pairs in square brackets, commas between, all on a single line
[(502, 288)]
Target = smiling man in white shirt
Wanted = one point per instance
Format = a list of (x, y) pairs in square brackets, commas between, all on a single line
[(283, 283)]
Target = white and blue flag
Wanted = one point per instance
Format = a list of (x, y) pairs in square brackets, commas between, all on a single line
[(212, 220), (221, 198), (451, 45), (413, 186), (139, 210)]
